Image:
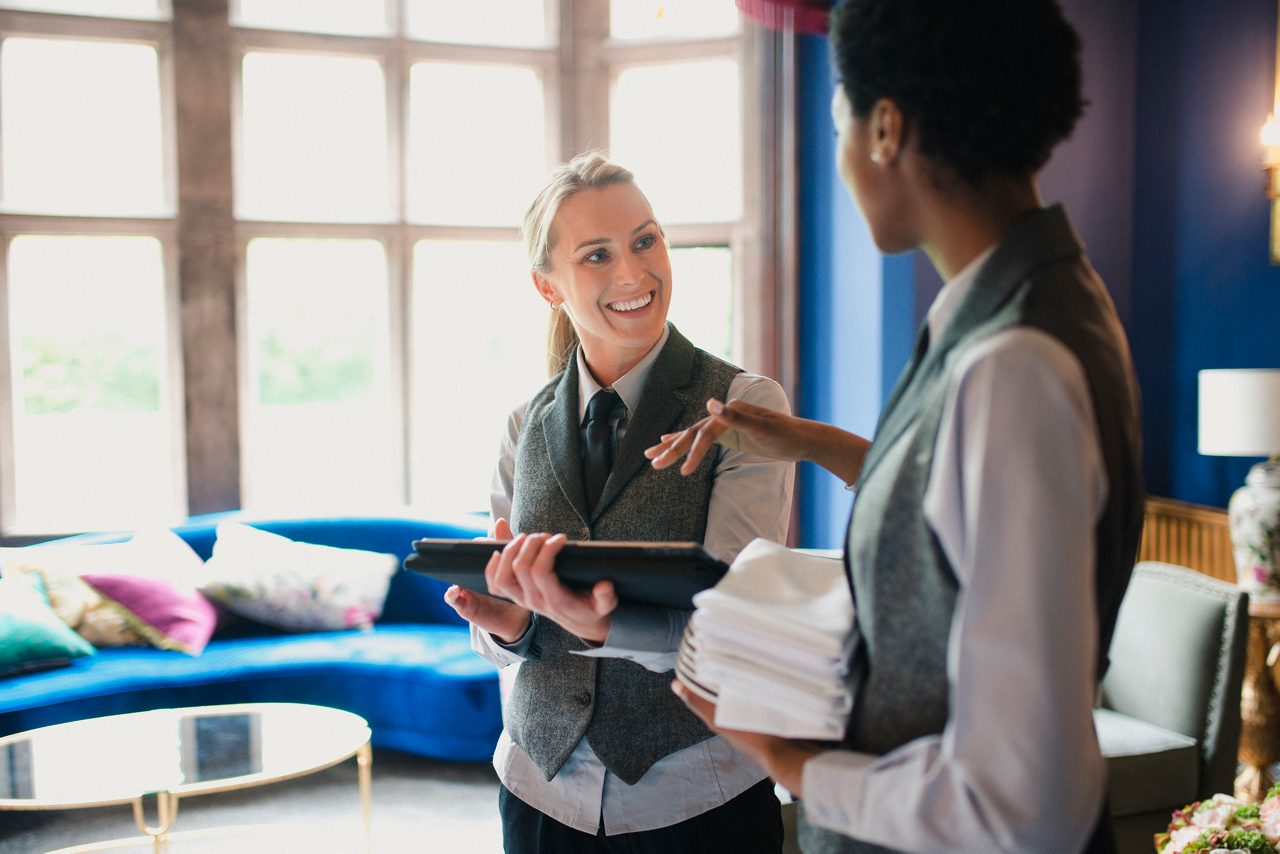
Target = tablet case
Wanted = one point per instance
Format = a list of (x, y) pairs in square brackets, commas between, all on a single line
[(663, 574)]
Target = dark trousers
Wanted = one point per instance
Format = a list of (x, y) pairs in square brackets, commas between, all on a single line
[(751, 823), (1103, 840)]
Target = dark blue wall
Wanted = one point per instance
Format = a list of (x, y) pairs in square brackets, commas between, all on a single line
[(1161, 178), (840, 322), (1206, 293)]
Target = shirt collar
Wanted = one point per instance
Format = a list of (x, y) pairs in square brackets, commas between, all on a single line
[(949, 298), (629, 386)]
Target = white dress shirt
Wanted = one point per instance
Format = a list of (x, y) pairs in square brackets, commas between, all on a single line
[(750, 497), (1016, 489)]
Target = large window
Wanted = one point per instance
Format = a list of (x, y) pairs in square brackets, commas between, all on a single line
[(91, 432), (347, 331)]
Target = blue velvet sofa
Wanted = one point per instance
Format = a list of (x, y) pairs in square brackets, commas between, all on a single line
[(414, 677)]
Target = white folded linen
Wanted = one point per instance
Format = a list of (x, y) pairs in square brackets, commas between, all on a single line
[(737, 709), (797, 596), (724, 637), (771, 643), (777, 691)]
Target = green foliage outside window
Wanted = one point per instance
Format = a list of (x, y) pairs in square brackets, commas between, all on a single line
[(104, 374), (320, 372)]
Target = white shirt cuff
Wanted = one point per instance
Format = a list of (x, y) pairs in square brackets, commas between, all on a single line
[(832, 785)]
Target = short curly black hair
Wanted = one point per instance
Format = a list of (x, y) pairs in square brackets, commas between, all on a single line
[(988, 86)]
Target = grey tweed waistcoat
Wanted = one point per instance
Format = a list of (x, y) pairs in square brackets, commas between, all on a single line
[(904, 587), (628, 714)]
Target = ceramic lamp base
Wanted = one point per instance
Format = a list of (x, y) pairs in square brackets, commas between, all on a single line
[(1254, 518)]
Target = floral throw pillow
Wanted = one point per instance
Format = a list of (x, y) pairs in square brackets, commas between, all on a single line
[(295, 586)]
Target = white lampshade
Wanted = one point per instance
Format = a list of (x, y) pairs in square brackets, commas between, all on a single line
[(1240, 413)]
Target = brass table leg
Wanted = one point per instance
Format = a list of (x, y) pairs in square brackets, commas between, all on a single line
[(364, 768), (166, 814), (1259, 711)]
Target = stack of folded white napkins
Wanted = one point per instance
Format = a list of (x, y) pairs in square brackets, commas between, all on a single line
[(770, 644)]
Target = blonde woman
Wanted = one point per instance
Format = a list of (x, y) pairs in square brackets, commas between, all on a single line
[(597, 754)]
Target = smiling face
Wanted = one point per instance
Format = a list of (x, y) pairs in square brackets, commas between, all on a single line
[(611, 273)]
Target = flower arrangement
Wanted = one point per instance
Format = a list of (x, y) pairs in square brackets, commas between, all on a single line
[(1224, 825)]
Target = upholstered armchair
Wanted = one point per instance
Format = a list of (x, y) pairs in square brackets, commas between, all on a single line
[(1169, 709)]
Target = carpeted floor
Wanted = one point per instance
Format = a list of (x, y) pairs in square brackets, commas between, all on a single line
[(419, 805)]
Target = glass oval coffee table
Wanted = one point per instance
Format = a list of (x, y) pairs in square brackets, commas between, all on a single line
[(169, 754)]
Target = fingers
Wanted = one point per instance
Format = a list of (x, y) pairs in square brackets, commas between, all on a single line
[(498, 574), (695, 441), (456, 598), (704, 438), (670, 448), (524, 572), (691, 443), (521, 569), (704, 709), (502, 530), (543, 587), (502, 619), (604, 599), (668, 453)]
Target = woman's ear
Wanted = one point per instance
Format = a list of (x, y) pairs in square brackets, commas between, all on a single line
[(545, 289), (888, 132)]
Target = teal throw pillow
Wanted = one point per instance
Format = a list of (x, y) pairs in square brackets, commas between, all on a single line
[(31, 635)]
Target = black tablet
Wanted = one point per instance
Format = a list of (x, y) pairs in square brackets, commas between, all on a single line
[(665, 574)]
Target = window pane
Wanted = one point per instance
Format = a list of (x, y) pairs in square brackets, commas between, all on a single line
[(345, 17), (479, 339), (314, 139), (93, 443), (702, 298), (515, 23), (671, 19), (151, 9), (320, 429), (81, 127), (686, 153), (477, 143)]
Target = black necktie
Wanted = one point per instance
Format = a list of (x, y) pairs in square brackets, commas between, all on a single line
[(599, 444)]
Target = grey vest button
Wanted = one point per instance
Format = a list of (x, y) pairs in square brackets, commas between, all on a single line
[(585, 533), (584, 699)]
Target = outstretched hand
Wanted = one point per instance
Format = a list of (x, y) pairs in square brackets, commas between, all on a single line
[(504, 620), (765, 433), (737, 425)]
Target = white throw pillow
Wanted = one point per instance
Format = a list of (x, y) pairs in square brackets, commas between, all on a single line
[(295, 586), (156, 553)]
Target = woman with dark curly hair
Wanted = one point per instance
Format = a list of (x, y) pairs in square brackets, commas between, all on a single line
[(999, 506)]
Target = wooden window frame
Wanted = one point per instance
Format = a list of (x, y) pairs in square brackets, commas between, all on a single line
[(205, 244)]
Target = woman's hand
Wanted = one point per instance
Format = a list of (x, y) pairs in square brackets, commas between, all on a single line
[(524, 572), (505, 621), (501, 531), (765, 433), (737, 425), (782, 758)]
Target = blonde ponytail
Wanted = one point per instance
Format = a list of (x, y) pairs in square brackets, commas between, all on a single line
[(561, 339)]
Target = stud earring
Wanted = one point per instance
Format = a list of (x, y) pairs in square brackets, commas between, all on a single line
[(877, 157)]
